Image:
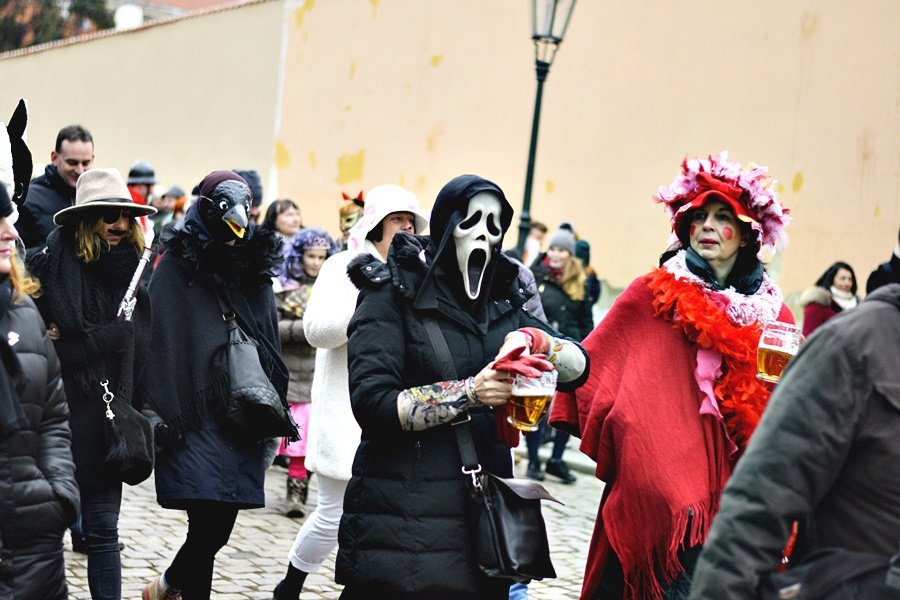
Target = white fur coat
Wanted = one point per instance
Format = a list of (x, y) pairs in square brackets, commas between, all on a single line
[(333, 431)]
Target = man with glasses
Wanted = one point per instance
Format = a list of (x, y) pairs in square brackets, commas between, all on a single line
[(55, 189)]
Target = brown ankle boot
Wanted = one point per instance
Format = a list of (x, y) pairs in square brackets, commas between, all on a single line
[(296, 497)]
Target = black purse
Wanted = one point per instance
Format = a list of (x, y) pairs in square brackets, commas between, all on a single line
[(509, 537), (129, 439), (254, 410), (509, 534), (835, 574)]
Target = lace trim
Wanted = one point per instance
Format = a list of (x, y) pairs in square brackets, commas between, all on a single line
[(762, 306)]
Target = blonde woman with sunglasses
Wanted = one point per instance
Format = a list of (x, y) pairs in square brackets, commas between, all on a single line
[(85, 271)]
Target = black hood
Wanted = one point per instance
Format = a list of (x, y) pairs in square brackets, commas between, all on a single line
[(450, 208)]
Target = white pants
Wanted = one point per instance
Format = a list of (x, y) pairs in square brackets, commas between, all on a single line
[(319, 534)]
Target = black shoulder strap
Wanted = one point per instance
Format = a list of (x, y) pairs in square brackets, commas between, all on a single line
[(441, 349), (462, 425), (227, 312)]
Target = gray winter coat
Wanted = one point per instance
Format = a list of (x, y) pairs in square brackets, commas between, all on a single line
[(826, 453)]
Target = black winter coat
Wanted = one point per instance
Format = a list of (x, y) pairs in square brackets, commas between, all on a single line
[(82, 299), (189, 337), (884, 274), (204, 464), (404, 532), (38, 494), (571, 317), (47, 195)]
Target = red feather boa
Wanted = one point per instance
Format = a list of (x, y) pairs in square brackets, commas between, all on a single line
[(700, 316)]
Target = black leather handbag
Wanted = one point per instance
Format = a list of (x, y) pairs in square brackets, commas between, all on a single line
[(129, 439), (509, 534), (254, 410), (509, 537)]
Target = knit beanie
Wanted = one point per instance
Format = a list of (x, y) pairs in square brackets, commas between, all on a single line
[(563, 239), (254, 182)]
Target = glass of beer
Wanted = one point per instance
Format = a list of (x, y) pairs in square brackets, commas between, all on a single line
[(530, 400), (778, 344)]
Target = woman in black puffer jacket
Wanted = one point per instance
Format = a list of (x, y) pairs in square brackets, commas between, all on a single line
[(38, 493), (404, 533)]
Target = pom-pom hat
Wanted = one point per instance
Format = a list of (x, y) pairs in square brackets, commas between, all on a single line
[(749, 192)]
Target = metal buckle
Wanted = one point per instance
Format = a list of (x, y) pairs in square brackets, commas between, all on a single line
[(459, 421), (473, 474)]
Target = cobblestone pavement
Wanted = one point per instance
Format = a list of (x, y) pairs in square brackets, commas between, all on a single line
[(256, 556)]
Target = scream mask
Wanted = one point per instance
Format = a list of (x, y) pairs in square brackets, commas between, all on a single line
[(475, 237)]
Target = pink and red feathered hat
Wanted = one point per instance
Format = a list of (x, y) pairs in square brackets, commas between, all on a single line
[(749, 191)]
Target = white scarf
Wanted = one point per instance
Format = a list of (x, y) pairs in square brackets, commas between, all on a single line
[(843, 299)]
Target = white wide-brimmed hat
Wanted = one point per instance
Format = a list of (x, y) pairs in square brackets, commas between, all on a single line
[(381, 201), (102, 188)]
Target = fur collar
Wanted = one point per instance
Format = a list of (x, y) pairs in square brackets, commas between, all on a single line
[(406, 269), (817, 295)]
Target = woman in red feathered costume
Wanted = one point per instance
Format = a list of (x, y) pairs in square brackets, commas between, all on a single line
[(672, 397)]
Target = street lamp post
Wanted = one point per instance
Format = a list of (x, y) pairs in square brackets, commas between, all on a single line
[(549, 20)]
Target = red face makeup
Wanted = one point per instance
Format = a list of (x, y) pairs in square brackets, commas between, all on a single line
[(727, 233)]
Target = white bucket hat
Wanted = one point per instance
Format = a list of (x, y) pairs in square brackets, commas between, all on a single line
[(381, 201), (102, 188)]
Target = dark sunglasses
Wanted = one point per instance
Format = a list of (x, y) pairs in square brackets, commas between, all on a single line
[(111, 215)]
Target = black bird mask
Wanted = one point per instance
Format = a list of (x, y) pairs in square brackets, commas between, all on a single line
[(225, 205)]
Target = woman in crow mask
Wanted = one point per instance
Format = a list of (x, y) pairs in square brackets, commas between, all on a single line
[(404, 532), (214, 252), (84, 271)]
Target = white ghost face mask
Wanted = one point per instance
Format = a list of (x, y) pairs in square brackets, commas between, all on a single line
[(475, 237)]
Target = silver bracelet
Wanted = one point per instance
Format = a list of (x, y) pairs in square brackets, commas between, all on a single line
[(471, 396)]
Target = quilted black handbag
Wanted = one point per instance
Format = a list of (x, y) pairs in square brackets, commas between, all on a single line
[(254, 410)]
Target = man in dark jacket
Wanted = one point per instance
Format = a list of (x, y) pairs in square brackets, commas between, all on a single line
[(55, 189), (886, 272), (825, 454)]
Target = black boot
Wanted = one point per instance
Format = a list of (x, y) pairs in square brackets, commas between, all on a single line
[(559, 469), (290, 587)]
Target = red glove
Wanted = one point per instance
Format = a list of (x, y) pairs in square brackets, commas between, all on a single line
[(530, 365)]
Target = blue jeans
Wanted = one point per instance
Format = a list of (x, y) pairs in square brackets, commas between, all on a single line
[(518, 591), (533, 441), (100, 526)]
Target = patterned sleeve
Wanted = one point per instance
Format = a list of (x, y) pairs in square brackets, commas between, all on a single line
[(426, 406)]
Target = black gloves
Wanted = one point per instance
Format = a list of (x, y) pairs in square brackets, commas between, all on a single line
[(161, 432)]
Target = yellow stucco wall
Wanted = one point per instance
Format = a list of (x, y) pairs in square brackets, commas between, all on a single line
[(418, 91), (189, 96)]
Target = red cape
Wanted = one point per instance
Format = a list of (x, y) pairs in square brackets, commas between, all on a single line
[(638, 418)]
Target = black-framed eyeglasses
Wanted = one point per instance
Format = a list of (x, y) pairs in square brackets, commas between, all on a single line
[(111, 215)]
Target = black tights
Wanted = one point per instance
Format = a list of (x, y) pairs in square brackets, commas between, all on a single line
[(209, 527)]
